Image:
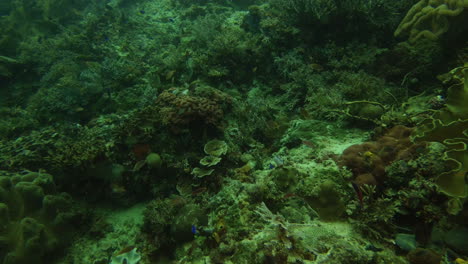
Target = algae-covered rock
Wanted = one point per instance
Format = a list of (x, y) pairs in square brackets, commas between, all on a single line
[(285, 177), (328, 201), (370, 111)]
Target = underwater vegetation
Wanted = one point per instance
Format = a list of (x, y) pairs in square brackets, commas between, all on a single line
[(251, 131)]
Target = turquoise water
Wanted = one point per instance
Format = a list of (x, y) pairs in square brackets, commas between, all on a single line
[(218, 131)]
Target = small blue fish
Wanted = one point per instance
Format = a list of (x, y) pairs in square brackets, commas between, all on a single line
[(279, 162)]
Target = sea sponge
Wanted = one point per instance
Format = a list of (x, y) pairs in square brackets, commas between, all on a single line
[(430, 18)]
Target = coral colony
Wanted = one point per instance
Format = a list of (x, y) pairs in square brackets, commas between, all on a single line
[(249, 131)]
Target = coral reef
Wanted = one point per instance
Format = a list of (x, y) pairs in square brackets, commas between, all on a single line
[(179, 109), (449, 126), (277, 131), (367, 161)]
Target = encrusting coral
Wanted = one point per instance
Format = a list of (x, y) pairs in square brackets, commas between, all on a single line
[(430, 18)]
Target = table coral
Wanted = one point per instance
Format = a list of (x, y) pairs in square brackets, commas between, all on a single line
[(429, 18)]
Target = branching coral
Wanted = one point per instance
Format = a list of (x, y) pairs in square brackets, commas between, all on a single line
[(430, 18)]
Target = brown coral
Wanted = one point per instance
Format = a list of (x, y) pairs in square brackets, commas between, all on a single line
[(179, 108), (367, 161)]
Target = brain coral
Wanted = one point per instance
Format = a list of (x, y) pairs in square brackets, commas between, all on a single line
[(367, 161), (181, 108)]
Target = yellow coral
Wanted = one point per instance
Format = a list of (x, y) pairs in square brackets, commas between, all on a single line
[(429, 18), (450, 127)]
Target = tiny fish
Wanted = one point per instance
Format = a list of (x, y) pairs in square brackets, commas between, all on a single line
[(125, 250), (199, 191), (316, 67), (373, 248), (289, 195), (139, 165), (308, 143), (279, 162)]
